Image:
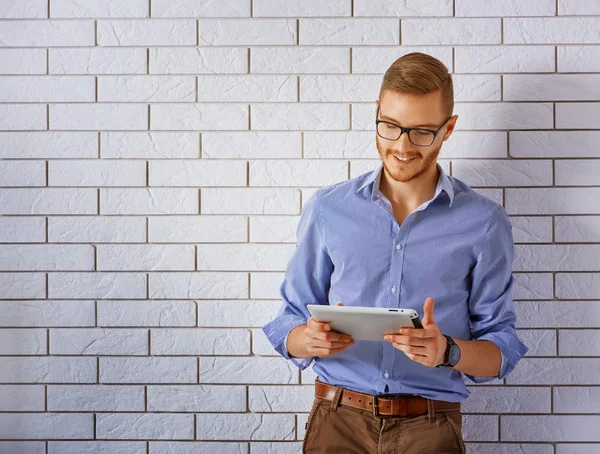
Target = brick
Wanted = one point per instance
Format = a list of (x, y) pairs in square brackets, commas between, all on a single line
[(47, 369), (551, 30), (197, 173), (577, 285), (280, 398), (242, 257), (48, 201), (146, 88), (576, 172), (550, 428), (198, 60), (265, 285), (197, 398), (148, 370), (297, 173), (47, 257), (23, 117), (250, 201), (173, 447), (349, 32), (503, 9), (403, 9), (552, 201), (555, 371), (98, 8), (40, 145), (195, 341), (149, 201), (250, 370), (97, 61), (247, 32), (22, 61), (144, 426), (22, 398), (245, 313), (47, 313), (24, 9), (574, 399), (19, 229), (155, 257), (149, 145), (532, 229), (96, 229), (23, 173), (96, 173), (48, 33), (22, 285), (114, 447), (273, 229), (23, 342), (540, 342), (578, 59), (290, 8), (503, 116), (554, 144), (140, 32), (197, 229), (98, 341), (146, 313), (300, 116), (98, 116), (573, 8), (46, 425), (578, 342), (198, 285), (503, 172), (97, 285), (199, 8), (551, 87), (497, 399), (557, 314), (299, 60), (95, 398), (450, 31), (371, 59), (247, 88), (533, 286), (199, 116), (578, 115), (575, 229), (251, 145), (214, 426), (504, 59)]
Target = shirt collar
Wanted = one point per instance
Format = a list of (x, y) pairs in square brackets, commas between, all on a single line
[(443, 183)]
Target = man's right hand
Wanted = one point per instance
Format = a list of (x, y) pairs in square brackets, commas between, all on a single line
[(318, 339)]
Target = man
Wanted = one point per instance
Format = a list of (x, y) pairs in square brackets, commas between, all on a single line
[(403, 236)]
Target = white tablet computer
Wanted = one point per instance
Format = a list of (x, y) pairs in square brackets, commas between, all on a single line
[(365, 323)]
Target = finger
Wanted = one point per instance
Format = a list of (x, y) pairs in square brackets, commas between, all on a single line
[(317, 326), (332, 344), (421, 333), (339, 304), (428, 317), (329, 336), (411, 350), (408, 340)]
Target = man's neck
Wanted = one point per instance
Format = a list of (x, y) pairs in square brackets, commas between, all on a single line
[(410, 194)]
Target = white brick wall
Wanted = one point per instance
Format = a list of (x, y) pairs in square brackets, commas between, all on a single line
[(156, 156)]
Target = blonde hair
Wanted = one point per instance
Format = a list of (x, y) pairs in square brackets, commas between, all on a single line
[(418, 73)]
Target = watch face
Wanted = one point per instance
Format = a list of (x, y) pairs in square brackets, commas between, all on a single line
[(454, 355)]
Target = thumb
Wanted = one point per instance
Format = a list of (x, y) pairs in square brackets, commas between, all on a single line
[(339, 304), (428, 318)]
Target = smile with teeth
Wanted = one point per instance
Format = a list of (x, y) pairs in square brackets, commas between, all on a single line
[(403, 159)]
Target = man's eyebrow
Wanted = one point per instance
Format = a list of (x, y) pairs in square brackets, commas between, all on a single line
[(385, 117)]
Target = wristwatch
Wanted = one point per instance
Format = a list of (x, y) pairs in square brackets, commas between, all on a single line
[(452, 355)]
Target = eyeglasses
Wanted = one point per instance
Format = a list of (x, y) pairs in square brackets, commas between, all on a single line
[(417, 136)]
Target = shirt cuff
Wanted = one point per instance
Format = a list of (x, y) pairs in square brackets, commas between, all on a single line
[(280, 345), (511, 350)]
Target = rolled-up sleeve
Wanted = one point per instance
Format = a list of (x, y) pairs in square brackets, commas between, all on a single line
[(306, 281), (490, 302)]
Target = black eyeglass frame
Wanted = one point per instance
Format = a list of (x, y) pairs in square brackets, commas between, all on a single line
[(408, 130)]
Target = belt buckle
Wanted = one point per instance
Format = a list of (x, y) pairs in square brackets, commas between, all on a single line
[(375, 406)]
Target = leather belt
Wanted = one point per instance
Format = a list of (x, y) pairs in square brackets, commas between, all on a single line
[(381, 404)]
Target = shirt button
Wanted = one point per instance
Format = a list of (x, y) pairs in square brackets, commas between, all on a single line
[(386, 375), (398, 246), (394, 289)]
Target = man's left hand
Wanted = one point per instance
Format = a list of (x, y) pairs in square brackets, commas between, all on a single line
[(425, 345)]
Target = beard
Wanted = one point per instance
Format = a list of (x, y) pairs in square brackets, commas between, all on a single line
[(405, 173)]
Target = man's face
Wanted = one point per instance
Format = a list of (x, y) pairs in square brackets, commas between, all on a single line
[(411, 111)]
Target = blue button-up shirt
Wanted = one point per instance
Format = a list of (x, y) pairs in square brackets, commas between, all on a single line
[(457, 248)]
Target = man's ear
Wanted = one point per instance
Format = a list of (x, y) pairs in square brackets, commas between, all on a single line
[(450, 127)]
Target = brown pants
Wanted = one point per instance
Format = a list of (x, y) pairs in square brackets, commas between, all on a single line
[(350, 430)]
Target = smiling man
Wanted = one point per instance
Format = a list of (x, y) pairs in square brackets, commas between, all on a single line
[(405, 235)]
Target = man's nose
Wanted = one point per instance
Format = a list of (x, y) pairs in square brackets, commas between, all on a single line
[(403, 143)]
